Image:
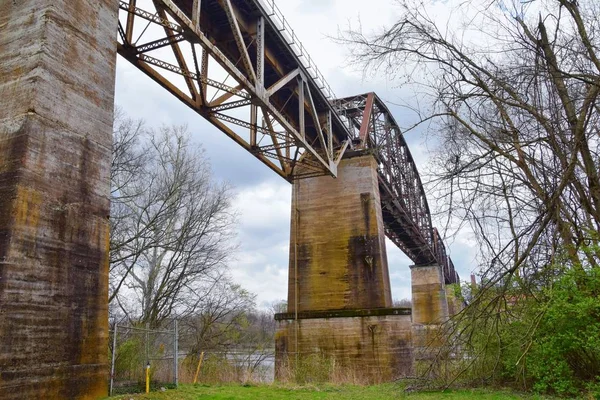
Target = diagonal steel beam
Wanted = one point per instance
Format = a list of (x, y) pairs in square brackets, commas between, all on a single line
[(315, 117), (230, 106), (231, 91), (342, 151), (280, 156), (177, 52), (158, 44), (282, 82), (239, 38), (184, 21), (236, 90), (366, 119), (130, 56), (229, 132), (136, 11)]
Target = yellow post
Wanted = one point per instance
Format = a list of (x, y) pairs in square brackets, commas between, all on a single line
[(198, 369), (148, 377)]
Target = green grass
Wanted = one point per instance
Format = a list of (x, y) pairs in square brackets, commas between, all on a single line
[(274, 392)]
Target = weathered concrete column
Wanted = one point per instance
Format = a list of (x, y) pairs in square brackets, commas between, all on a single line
[(57, 71), (454, 299), (337, 241), (339, 298), (429, 312)]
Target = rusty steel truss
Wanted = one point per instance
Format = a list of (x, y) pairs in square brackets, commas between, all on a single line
[(406, 214), (239, 65), (232, 63)]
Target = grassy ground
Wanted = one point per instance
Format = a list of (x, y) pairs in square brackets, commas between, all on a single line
[(273, 392)]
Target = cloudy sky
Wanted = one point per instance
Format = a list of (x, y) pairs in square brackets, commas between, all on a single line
[(262, 198)]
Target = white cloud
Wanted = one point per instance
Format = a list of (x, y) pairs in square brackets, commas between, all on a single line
[(265, 206)]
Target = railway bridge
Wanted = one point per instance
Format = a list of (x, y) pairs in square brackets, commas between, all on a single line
[(239, 65)]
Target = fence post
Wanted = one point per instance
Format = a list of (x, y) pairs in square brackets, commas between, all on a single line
[(176, 351), (148, 377), (112, 363), (147, 342)]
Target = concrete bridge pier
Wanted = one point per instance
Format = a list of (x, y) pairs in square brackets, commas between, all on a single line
[(454, 299), (57, 71), (340, 318), (429, 312)]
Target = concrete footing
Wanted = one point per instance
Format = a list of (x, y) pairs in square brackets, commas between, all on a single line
[(345, 346)]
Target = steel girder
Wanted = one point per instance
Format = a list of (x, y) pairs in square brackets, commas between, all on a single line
[(405, 210), (238, 64)]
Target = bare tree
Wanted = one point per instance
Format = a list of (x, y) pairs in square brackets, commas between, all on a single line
[(172, 225), (278, 307), (221, 320), (402, 303), (229, 327), (513, 93), (512, 90), (128, 229)]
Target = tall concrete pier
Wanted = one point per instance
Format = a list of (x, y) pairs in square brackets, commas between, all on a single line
[(57, 68), (339, 299), (429, 313)]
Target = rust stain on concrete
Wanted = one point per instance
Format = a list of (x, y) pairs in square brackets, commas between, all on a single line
[(341, 256), (430, 311), (370, 349), (337, 229)]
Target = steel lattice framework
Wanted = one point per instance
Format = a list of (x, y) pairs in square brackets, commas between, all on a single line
[(406, 214), (239, 65)]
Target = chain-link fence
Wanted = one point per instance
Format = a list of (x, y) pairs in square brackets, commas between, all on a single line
[(134, 348), (233, 366)]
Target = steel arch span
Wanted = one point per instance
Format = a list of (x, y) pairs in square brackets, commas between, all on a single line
[(238, 64), (404, 205)]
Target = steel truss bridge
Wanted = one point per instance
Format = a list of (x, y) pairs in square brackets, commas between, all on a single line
[(239, 65)]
